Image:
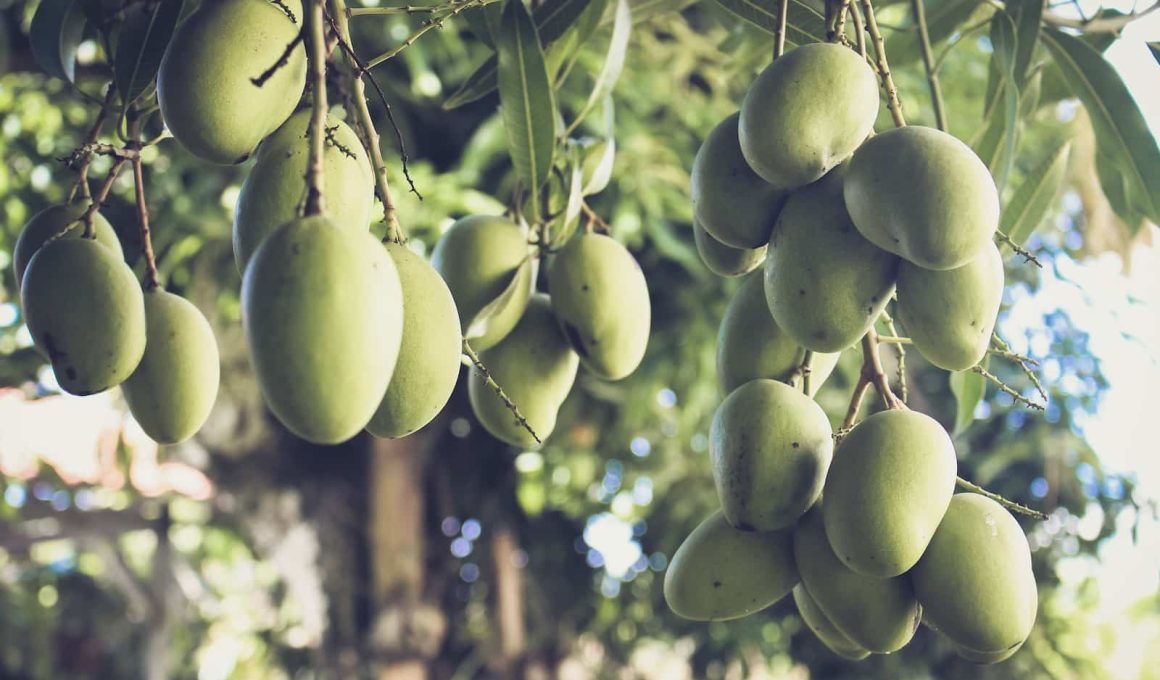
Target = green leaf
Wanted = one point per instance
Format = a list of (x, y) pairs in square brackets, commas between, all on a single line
[(1003, 124), (512, 301), (806, 22), (1028, 15), (478, 85), (1154, 48), (613, 63), (55, 34), (1035, 197), (484, 22), (1121, 130), (943, 18), (968, 388), (143, 39), (526, 99), (597, 160), (555, 17)]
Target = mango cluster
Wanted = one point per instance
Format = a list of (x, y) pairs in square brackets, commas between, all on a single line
[(868, 536)]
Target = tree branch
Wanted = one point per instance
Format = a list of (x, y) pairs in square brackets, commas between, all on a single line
[(1006, 389), (936, 98), (428, 25), (883, 67), (1019, 250), (142, 209), (316, 46), (490, 381), (1009, 504)]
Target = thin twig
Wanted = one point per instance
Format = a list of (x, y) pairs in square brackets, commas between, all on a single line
[(428, 25), (900, 349), (602, 227), (1025, 363), (807, 370), (779, 28), (855, 404), (82, 183), (1006, 389), (860, 31), (411, 9), (283, 59), (99, 199), (1019, 250), (151, 280), (936, 98), (1007, 503), (883, 67), (316, 46), (490, 381), (837, 31)]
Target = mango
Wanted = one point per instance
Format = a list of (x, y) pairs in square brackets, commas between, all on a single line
[(174, 387), (428, 365), (792, 129), (923, 195), (824, 629), (275, 190), (750, 344), (720, 573), (601, 300), (825, 284), (975, 580), (880, 615), (986, 657), (55, 220), (84, 309), (770, 446), (322, 310), (725, 260), (733, 204), (204, 84), (536, 367), (477, 257), (888, 488), (951, 314)]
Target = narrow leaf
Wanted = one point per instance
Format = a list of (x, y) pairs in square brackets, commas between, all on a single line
[(478, 85), (483, 22), (556, 16), (1004, 42), (968, 388), (143, 39), (1033, 200), (55, 34), (805, 21), (613, 62), (1028, 15), (1154, 48), (511, 302), (943, 18), (598, 158)]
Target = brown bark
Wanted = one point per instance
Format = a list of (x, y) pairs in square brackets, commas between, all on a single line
[(509, 602)]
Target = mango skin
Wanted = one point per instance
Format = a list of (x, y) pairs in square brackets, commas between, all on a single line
[(889, 485), (733, 204), (52, 221), (720, 573), (986, 658), (600, 297), (923, 195), (477, 257), (536, 367), (322, 310), (203, 84), (880, 615), (951, 314), (84, 309), (725, 260), (174, 387), (428, 365), (824, 629), (770, 446), (750, 344), (825, 284), (275, 191), (975, 580), (791, 130)]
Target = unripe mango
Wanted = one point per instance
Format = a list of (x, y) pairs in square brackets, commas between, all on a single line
[(770, 446), (750, 344), (721, 573), (428, 364), (725, 260), (55, 220), (174, 387), (950, 314), (84, 309), (880, 615), (924, 195), (477, 258), (825, 630), (888, 488), (975, 580), (322, 310), (825, 284), (204, 85), (536, 367), (806, 113), (601, 300), (733, 204), (275, 190)]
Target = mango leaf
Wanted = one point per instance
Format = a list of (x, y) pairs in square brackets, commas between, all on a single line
[(597, 160), (1121, 131), (968, 388), (943, 18), (1117, 189), (484, 22), (613, 63), (511, 302), (806, 22), (556, 16), (1028, 15), (143, 39), (1035, 197), (1154, 48), (644, 10), (569, 218), (997, 145), (55, 34)]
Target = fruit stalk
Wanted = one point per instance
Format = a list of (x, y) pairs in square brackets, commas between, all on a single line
[(486, 375), (82, 184), (1009, 504), (142, 209), (936, 98), (102, 194), (883, 66), (837, 32), (779, 29), (315, 200)]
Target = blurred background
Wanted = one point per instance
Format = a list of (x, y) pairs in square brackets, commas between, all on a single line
[(246, 553)]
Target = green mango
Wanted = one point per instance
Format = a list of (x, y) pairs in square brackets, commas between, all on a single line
[(951, 314), (888, 488), (601, 300), (733, 204), (536, 367), (322, 309), (204, 85), (986, 657), (825, 630), (750, 344), (428, 365), (880, 615), (770, 446), (174, 387), (922, 194), (55, 220), (725, 260), (825, 284), (478, 256), (975, 580), (792, 129), (275, 190), (84, 309), (720, 573)]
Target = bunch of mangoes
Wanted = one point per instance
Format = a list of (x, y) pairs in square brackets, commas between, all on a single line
[(840, 219)]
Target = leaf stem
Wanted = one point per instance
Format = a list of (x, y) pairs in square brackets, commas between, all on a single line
[(490, 381), (936, 98), (892, 102)]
